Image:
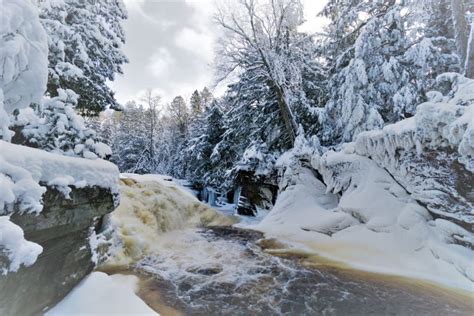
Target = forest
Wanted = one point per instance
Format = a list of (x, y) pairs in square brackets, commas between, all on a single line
[(326, 172)]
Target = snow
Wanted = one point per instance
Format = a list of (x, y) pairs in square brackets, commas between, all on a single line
[(22, 170), (60, 171), (421, 152), (100, 294), (375, 225), (18, 250), (23, 76), (23, 55)]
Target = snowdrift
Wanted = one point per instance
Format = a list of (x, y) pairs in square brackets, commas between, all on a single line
[(100, 294), (375, 225), (395, 201)]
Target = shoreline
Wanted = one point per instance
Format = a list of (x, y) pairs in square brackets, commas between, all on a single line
[(150, 290), (313, 257)]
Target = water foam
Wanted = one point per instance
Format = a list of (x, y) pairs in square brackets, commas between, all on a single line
[(149, 208)]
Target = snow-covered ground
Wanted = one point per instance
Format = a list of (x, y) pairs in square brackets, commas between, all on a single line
[(100, 294), (363, 216), (375, 226)]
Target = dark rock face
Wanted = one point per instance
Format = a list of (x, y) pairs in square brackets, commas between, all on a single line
[(255, 192), (62, 229)]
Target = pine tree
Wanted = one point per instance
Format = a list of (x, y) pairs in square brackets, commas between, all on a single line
[(196, 104), (130, 146), (60, 130), (85, 39), (203, 161)]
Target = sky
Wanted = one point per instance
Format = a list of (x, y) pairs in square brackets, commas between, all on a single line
[(170, 46)]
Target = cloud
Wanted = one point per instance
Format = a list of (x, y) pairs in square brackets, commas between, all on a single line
[(161, 63), (200, 43), (170, 45), (134, 5)]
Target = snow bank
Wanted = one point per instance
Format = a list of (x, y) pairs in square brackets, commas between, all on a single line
[(100, 294), (432, 153), (55, 170), (375, 225), (150, 206)]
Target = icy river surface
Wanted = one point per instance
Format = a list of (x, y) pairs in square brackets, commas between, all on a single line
[(224, 271)]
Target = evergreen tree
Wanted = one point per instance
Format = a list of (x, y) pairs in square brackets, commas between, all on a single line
[(196, 104), (201, 155), (131, 152), (85, 39), (59, 129)]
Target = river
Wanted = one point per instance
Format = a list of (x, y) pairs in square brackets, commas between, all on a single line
[(225, 271)]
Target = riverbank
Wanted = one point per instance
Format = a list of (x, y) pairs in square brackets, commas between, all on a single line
[(294, 282)]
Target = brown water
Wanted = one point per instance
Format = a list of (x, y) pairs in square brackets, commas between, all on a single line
[(224, 271)]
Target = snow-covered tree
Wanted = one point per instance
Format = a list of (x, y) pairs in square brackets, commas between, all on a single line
[(57, 128), (258, 35), (383, 60), (196, 103), (131, 144), (279, 87), (203, 161), (85, 49)]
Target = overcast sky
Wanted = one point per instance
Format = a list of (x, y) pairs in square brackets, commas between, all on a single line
[(170, 47)]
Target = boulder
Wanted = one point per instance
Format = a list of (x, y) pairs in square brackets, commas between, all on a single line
[(62, 229)]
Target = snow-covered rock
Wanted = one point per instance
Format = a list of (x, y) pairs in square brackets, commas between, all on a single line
[(364, 218), (55, 199), (432, 153)]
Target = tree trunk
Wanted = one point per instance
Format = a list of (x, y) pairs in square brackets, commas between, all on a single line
[(460, 28), (469, 66), (287, 115)]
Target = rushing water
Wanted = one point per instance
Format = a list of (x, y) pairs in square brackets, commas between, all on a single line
[(223, 271)]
